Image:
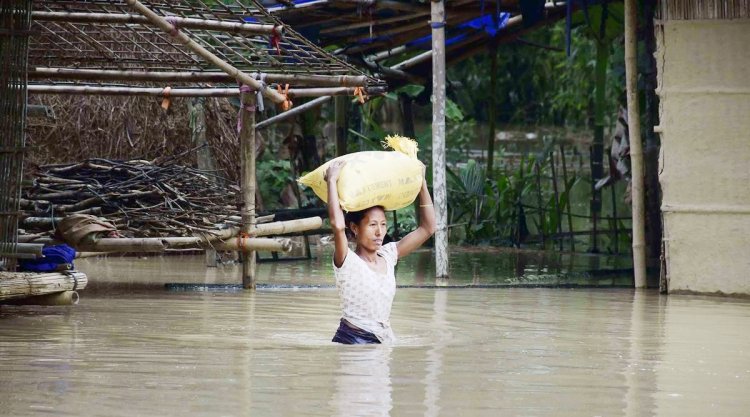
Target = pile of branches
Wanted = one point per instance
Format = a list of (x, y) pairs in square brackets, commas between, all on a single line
[(141, 198), (123, 128)]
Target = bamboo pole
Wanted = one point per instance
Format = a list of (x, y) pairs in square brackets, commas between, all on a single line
[(249, 245), (182, 22), (204, 53), (636, 148), (187, 92), (161, 244), (194, 76), (15, 285), (63, 298), (247, 181), (437, 9), (293, 112)]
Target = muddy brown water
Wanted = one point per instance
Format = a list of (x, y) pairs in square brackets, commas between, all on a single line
[(129, 350)]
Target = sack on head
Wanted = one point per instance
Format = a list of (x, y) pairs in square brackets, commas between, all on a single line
[(391, 179)]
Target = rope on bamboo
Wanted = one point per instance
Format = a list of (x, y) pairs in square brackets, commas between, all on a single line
[(261, 77), (166, 101), (287, 104), (360, 93), (276, 39)]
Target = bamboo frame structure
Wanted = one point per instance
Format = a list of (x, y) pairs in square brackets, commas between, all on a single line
[(177, 42)]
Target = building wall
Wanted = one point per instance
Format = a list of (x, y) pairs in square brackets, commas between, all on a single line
[(704, 88)]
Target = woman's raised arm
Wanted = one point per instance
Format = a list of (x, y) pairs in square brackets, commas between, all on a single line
[(426, 227), (336, 215)]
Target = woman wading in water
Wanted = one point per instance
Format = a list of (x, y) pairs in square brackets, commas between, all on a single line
[(365, 277)]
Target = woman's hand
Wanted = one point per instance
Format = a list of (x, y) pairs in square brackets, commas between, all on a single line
[(333, 171)]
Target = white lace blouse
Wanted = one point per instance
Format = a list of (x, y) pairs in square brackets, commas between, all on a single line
[(366, 296)]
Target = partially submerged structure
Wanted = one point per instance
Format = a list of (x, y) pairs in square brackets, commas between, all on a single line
[(704, 89), (165, 49)]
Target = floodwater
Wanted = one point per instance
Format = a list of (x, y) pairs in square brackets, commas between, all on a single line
[(510, 351)]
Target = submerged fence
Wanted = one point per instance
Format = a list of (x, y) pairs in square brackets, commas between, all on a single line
[(15, 21)]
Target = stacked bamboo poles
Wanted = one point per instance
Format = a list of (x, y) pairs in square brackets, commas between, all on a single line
[(14, 23), (17, 285)]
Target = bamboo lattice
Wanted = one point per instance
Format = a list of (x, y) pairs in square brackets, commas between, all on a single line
[(14, 31), (111, 35)]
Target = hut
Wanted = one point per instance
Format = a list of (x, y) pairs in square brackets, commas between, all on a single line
[(163, 49), (704, 90)]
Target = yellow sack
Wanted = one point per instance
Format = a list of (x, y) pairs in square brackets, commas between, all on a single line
[(391, 179)]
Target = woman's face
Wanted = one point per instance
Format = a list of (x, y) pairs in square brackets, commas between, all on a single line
[(371, 230)]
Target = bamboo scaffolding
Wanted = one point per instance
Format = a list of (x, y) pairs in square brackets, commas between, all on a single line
[(14, 285), (181, 22), (194, 76), (183, 39), (188, 92)]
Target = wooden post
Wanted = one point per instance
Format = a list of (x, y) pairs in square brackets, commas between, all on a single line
[(341, 110), (636, 147), (247, 178), (491, 111), (437, 9)]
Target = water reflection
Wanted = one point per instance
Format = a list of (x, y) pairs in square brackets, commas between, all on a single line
[(468, 352), (475, 266), (363, 381)]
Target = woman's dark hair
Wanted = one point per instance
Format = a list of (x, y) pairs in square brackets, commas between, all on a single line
[(356, 217)]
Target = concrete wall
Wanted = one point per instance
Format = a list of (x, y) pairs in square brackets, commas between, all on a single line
[(704, 87)]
